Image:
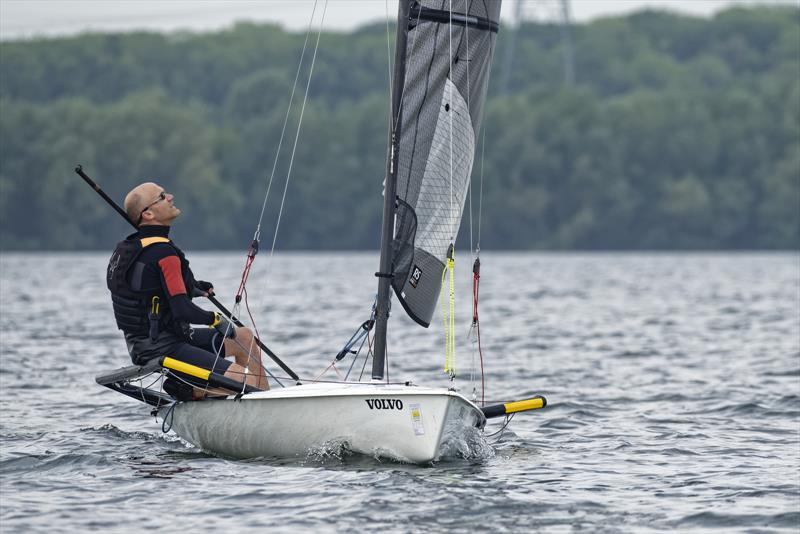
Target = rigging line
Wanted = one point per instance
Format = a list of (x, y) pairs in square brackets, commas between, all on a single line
[(469, 59), (170, 414), (452, 112), (254, 346), (460, 201), (255, 328), (148, 386), (492, 41), (480, 194), (483, 146), (218, 350), (291, 160), (449, 320), (332, 364), (366, 357), (358, 352), (502, 429), (469, 196), (141, 386), (469, 193), (243, 291), (217, 357), (297, 133), (286, 120), (257, 232)]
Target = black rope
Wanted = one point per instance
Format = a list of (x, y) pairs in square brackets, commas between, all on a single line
[(362, 331), (502, 429), (353, 363), (169, 415)]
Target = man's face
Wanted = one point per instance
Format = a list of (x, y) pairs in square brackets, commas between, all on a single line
[(159, 207)]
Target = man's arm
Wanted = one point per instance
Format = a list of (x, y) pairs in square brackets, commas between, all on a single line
[(179, 302)]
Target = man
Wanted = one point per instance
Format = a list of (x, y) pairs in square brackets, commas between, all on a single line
[(151, 288)]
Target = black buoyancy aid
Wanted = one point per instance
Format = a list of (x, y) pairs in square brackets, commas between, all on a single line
[(132, 302)]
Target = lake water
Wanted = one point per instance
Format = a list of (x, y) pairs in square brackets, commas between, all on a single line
[(673, 383)]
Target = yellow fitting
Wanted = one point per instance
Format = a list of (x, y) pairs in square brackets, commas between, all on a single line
[(185, 368), (524, 405)]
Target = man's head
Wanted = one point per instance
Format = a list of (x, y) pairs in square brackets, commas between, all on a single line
[(149, 204)]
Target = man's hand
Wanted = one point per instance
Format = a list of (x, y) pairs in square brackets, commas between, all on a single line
[(223, 325), (202, 289)]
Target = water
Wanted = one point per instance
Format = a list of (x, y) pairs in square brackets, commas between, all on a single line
[(673, 382)]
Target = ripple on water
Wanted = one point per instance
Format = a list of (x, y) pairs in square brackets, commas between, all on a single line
[(49, 461), (672, 381), (738, 521)]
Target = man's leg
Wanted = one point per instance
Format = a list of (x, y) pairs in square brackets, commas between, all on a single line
[(204, 351), (248, 357), (234, 372), (237, 372)]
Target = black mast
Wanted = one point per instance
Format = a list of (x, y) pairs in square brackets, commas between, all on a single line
[(387, 230)]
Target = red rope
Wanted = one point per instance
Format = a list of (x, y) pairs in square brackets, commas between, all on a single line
[(251, 257), (476, 280), (252, 319)]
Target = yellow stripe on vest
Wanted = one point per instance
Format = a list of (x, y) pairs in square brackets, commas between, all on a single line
[(524, 405), (186, 368), (147, 241)]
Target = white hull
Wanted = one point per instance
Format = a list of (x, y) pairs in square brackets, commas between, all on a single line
[(406, 423)]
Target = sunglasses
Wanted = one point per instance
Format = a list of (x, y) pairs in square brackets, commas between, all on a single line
[(161, 196)]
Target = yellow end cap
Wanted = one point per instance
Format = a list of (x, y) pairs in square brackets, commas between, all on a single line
[(524, 405)]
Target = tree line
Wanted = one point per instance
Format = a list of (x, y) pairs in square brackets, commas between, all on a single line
[(678, 133)]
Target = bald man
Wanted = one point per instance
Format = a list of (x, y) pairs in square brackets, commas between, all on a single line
[(152, 288)]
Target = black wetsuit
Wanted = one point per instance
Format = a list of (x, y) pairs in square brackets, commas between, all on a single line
[(161, 270)]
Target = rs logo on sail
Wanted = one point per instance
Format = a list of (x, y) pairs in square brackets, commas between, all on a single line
[(384, 404)]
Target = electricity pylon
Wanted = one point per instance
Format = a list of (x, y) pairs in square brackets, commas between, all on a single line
[(540, 10)]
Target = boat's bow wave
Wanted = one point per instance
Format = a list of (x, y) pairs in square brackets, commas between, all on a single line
[(466, 442)]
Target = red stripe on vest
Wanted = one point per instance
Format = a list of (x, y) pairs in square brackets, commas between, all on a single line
[(171, 268)]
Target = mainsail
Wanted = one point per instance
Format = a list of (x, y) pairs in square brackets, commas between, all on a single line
[(448, 51)]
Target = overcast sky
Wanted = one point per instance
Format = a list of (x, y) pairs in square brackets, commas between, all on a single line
[(31, 18)]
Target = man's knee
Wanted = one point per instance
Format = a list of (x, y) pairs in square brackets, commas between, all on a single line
[(246, 340), (244, 332), (236, 372)]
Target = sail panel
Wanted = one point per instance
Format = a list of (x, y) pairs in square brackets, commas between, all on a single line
[(438, 103), (438, 221)]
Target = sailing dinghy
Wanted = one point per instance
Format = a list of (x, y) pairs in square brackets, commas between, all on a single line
[(439, 85)]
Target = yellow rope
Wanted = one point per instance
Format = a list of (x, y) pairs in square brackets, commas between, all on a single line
[(449, 319)]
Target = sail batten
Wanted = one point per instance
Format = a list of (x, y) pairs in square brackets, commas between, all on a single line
[(446, 17), (443, 93)]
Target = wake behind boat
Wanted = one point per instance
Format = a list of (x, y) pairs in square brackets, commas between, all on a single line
[(439, 84)]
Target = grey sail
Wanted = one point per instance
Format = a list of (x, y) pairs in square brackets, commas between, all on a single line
[(447, 62)]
